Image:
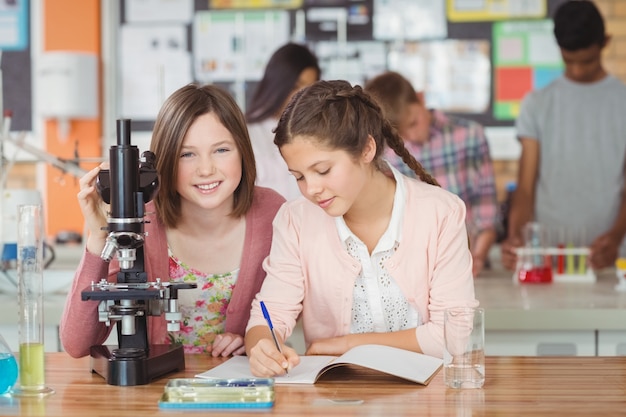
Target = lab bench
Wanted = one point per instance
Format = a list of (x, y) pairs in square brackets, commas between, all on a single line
[(582, 319)]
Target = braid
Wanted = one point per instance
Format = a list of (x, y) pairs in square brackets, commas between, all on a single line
[(395, 142)]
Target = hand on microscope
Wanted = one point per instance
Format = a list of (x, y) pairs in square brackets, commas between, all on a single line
[(227, 344), (94, 210)]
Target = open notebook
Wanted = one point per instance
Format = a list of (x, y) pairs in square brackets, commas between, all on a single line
[(412, 366)]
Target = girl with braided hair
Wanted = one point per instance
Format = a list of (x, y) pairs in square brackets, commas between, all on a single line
[(369, 255)]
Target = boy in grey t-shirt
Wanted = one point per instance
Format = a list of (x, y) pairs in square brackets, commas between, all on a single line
[(573, 137)]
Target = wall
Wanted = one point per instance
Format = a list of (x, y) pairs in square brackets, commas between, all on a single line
[(63, 31), (78, 30), (615, 55), (56, 29)]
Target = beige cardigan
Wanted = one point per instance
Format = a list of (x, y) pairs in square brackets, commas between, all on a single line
[(310, 273)]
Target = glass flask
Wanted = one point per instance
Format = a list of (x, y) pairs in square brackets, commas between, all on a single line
[(534, 265), (8, 367)]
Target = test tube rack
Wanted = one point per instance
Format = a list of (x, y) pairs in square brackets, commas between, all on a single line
[(568, 264)]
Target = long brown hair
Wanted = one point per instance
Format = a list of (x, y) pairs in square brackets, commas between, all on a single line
[(279, 80), (341, 116), (175, 118)]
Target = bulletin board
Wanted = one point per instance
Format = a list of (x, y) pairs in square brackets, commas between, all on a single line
[(502, 112), (213, 54), (525, 57)]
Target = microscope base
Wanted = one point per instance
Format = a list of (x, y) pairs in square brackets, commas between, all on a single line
[(128, 367)]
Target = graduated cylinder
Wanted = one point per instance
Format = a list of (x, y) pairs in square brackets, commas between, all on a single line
[(30, 238)]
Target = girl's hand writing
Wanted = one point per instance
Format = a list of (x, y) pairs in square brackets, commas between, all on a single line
[(266, 361)]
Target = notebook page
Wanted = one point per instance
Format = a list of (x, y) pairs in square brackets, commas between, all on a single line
[(402, 363), (239, 367)]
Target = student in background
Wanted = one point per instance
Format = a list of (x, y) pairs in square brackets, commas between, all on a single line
[(369, 255), (453, 150), (290, 68), (573, 137), (208, 224)]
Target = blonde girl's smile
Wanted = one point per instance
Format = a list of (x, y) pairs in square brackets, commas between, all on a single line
[(209, 169), (208, 187)]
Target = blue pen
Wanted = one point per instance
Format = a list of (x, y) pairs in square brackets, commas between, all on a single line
[(266, 314)]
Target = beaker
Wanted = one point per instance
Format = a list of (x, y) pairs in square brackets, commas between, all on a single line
[(534, 265), (30, 236), (8, 367)]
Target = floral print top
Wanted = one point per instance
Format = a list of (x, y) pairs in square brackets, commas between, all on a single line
[(203, 308)]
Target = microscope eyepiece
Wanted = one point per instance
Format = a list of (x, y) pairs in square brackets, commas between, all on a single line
[(127, 185)]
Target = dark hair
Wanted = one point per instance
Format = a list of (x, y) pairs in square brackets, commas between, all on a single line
[(578, 24), (394, 94), (175, 118), (340, 116), (281, 76)]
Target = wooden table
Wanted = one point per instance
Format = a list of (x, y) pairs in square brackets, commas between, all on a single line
[(555, 386)]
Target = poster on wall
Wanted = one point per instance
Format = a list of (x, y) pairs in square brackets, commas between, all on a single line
[(525, 57), (153, 63), (13, 25), (455, 75), (255, 4), (355, 62), (234, 46), (409, 19), (486, 10), (338, 20), (136, 11)]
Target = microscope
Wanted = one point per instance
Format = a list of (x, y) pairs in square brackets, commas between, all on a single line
[(127, 185)]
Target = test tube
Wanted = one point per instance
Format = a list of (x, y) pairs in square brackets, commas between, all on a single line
[(582, 259), (570, 259), (30, 235), (570, 244)]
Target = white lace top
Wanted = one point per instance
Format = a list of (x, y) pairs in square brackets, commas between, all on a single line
[(378, 303)]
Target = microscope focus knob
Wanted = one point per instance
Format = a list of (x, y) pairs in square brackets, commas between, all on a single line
[(173, 326), (173, 320)]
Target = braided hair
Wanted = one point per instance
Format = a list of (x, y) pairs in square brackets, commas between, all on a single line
[(341, 116)]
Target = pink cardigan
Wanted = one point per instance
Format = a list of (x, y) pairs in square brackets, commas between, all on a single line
[(310, 273), (80, 328)]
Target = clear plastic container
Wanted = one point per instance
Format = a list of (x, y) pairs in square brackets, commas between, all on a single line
[(218, 393)]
